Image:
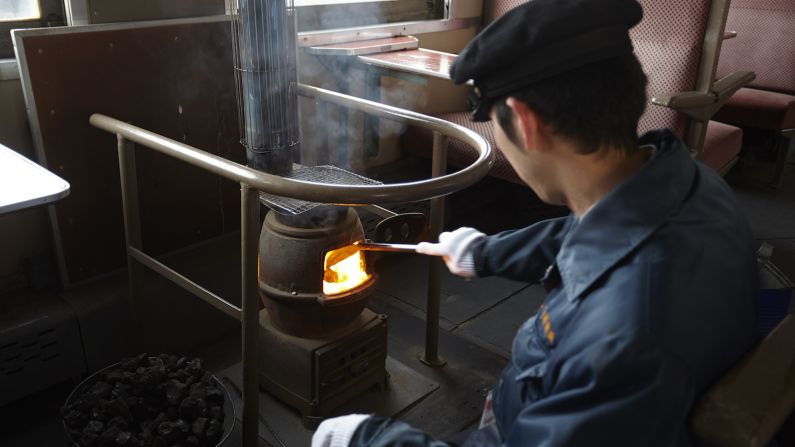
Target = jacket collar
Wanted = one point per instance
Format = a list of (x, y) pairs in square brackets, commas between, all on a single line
[(628, 215)]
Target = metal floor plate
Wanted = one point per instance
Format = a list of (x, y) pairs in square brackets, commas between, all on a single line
[(406, 387), (330, 175)]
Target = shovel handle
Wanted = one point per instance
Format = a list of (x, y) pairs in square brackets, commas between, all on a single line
[(373, 246)]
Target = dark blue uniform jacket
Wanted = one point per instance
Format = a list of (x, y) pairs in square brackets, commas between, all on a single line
[(652, 298)]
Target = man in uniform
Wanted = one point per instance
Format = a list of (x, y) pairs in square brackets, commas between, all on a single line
[(651, 280)]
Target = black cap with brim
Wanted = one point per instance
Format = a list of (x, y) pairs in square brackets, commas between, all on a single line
[(542, 39)]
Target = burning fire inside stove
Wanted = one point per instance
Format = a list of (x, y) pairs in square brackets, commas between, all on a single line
[(345, 270)]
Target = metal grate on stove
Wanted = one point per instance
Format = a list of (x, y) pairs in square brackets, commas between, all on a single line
[(331, 175)]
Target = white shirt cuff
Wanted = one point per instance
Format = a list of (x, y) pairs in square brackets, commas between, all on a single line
[(344, 429)]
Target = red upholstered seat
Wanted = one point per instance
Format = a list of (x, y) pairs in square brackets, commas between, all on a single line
[(722, 145), (761, 109), (765, 43)]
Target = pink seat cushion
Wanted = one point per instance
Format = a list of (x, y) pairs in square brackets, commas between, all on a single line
[(760, 109), (419, 142), (500, 7), (722, 144)]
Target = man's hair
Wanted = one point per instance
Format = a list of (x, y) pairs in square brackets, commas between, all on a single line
[(597, 105)]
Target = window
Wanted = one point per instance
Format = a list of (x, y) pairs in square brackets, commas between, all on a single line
[(17, 10), (330, 14), (26, 14)]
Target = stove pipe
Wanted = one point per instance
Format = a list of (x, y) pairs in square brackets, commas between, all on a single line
[(264, 35)]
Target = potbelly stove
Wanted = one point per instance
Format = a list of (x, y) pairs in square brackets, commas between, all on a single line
[(320, 345)]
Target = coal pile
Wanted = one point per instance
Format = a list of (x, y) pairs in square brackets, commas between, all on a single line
[(148, 401)]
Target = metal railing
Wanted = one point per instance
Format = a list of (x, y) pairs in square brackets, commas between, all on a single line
[(251, 181)]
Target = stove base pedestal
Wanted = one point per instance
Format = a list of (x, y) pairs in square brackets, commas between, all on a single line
[(317, 375)]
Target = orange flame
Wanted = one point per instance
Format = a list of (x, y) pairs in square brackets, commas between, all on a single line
[(346, 274)]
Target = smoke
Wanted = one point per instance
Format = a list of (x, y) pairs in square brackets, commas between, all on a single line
[(344, 137)]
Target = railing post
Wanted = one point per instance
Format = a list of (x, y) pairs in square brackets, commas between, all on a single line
[(132, 231), (438, 168), (249, 242)]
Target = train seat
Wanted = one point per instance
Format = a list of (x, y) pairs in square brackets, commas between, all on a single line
[(765, 44)]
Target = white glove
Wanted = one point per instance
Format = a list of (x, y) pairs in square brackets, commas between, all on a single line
[(456, 248), (337, 432)]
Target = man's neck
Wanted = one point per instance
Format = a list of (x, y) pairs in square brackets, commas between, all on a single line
[(588, 178)]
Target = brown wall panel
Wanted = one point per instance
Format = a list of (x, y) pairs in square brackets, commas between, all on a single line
[(175, 80)]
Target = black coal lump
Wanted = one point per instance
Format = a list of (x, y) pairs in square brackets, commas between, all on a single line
[(87, 439), (195, 366), (94, 426), (198, 389), (127, 439), (108, 437), (100, 390), (213, 430), (214, 396), (199, 426), (168, 431), (192, 407), (183, 426), (175, 391), (119, 422), (76, 419), (98, 413), (133, 363), (217, 413)]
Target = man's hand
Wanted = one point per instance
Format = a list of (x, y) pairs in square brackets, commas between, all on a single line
[(337, 432), (456, 249)]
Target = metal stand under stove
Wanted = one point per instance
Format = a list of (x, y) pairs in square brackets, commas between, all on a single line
[(252, 182), (324, 372)]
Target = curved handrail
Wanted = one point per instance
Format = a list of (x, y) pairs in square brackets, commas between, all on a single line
[(322, 192)]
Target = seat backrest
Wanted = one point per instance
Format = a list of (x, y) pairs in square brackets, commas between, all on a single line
[(494, 9), (668, 42), (765, 43)]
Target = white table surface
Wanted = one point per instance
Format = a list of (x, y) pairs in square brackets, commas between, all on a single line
[(24, 183)]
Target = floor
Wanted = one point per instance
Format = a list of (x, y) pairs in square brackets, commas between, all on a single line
[(478, 322)]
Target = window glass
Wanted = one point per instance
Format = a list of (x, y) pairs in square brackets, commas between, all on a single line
[(330, 14), (17, 10)]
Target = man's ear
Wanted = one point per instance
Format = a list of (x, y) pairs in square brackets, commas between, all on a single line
[(526, 123)]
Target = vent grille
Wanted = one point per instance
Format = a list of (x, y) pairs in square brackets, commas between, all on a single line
[(18, 355), (348, 364)]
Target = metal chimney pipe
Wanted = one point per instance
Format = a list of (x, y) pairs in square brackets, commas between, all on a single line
[(264, 36)]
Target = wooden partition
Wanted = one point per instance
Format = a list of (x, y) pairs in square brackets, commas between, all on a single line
[(174, 78)]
